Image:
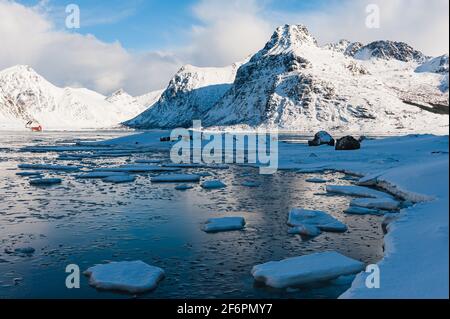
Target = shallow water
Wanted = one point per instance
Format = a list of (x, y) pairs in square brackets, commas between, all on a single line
[(85, 222)]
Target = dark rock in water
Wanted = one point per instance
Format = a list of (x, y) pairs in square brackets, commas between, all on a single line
[(348, 143), (165, 139), (322, 138)]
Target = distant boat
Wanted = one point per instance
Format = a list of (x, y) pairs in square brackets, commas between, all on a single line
[(34, 126)]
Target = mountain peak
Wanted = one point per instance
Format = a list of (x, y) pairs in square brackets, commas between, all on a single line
[(288, 37), (20, 69)]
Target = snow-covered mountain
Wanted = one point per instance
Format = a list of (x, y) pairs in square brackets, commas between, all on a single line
[(294, 84), (25, 96), (191, 92)]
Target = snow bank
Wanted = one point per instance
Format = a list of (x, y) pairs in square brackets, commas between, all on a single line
[(307, 269), (129, 276)]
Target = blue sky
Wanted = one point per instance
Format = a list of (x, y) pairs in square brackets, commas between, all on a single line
[(150, 24), (138, 45)]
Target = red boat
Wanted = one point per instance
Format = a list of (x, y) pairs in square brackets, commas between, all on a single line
[(34, 126)]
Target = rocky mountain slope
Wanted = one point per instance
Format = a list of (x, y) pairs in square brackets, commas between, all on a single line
[(295, 84)]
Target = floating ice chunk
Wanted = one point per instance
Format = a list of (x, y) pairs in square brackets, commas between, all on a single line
[(307, 269), (250, 184), (376, 203), (354, 210), (203, 174), (45, 181), (119, 179), (215, 225), (316, 180), (182, 165), (183, 187), (218, 166), (129, 276), (131, 168), (148, 161), (359, 191), (305, 230), (175, 178), (48, 167), (216, 184), (319, 219), (99, 175), (29, 174)]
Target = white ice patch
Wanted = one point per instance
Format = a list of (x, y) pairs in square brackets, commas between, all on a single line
[(213, 184), (215, 225), (307, 269), (175, 178), (129, 276), (321, 220)]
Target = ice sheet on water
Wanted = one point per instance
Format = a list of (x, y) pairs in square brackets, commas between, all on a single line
[(175, 178), (183, 187), (215, 184), (354, 210), (215, 225), (93, 175), (129, 276), (376, 203), (359, 191), (319, 219), (24, 174), (45, 181), (307, 269), (132, 168), (119, 179), (49, 167)]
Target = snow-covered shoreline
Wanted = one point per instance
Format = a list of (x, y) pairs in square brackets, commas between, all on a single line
[(414, 168)]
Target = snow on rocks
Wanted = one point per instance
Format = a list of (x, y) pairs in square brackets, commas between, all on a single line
[(321, 138), (49, 167), (175, 178), (307, 269), (214, 225), (321, 220), (347, 143), (45, 181), (215, 184), (376, 203), (128, 276), (120, 179)]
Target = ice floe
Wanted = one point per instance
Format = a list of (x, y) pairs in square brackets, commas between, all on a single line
[(307, 269), (137, 169), (305, 230), (183, 187), (24, 174), (45, 181), (128, 276), (323, 221), (49, 167), (215, 184), (358, 191), (175, 178), (376, 203), (354, 210), (94, 175), (119, 179), (316, 180), (214, 225)]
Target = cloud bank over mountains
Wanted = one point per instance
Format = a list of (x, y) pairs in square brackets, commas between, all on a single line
[(225, 32)]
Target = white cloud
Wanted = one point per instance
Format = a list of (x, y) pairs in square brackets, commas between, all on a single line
[(227, 31), (27, 37)]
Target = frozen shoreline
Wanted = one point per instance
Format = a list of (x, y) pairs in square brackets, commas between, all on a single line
[(415, 168)]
